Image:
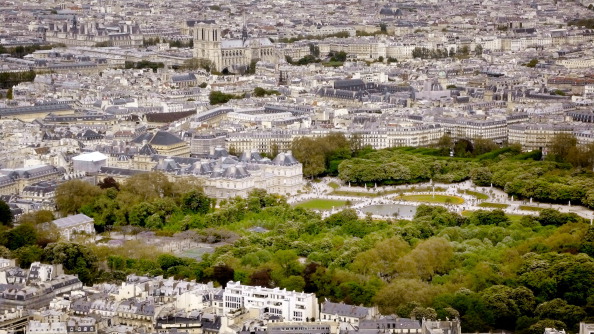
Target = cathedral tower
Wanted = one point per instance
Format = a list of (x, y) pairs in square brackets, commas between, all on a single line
[(207, 42)]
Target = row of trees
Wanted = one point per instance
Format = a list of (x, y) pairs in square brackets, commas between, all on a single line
[(146, 200), (261, 92), (341, 34), (144, 64), (217, 97), (522, 175), (308, 59), (322, 155), (23, 50), (9, 79), (197, 63), (564, 148), (426, 53), (465, 148), (397, 166)]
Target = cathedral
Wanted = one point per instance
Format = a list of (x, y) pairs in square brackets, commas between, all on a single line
[(230, 54)]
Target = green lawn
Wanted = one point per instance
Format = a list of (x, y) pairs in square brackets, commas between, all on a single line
[(321, 204), (473, 193), (333, 185), (333, 64), (530, 208), (432, 199), (514, 218), (493, 205)]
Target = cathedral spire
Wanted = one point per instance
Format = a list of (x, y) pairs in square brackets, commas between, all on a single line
[(244, 32)]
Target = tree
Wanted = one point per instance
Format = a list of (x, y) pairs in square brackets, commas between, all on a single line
[(5, 253), (444, 145), (108, 182), (508, 304), (6, 216), (561, 145), (478, 50), (452, 52), (359, 293), (167, 261), (261, 278), (223, 274), (556, 218), (482, 146), (72, 195), (9, 94), (532, 63), (541, 325), (482, 176), (20, 236), (381, 259), (196, 201), (310, 154), (286, 259), (140, 213), (463, 148), (486, 217), (402, 291), (217, 97), (428, 258), (149, 186), (27, 255), (464, 51), (427, 313), (293, 283), (36, 217), (559, 309), (340, 56), (76, 259)]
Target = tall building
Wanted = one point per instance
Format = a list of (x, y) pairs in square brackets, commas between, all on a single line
[(230, 54)]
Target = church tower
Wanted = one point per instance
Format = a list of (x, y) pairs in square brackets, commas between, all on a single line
[(207, 42)]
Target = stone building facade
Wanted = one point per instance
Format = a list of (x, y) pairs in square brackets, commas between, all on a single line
[(229, 54)]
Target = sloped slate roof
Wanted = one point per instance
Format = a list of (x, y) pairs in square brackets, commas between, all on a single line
[(161, 138), (147, 149), (73, 220), (285, 159), (344, 310), (168, 117)]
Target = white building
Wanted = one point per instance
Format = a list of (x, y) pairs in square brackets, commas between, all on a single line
[(89, 162), (38, 327), (80, 223), (586, 328), (290, 305)]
